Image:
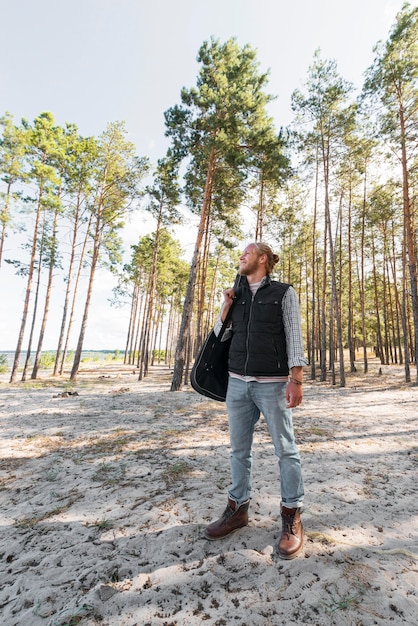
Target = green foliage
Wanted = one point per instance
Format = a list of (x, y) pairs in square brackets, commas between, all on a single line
[(91, 358), (115, 356), (164, 193), (4, 366), (47, 360), (171, 269), (69, 356), (225, 114)]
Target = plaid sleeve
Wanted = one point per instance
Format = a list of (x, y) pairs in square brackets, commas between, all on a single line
[(218, 325), (293, 329)]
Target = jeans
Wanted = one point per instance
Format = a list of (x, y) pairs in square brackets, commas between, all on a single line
[(245, 402)]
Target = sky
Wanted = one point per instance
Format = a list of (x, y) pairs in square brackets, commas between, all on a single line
[(92, 62)]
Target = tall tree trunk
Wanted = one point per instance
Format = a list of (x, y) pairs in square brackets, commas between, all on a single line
[(75, 294), (362, 274), (379, 342), (410, 237), (350, 321), (334, 287), (68, 287), (323, 297), (34, 313), (170, 331), (392, 319), (331, 341), (211, 307), (52, 252), (260, 211), (385, 304), (129, 356), (28, 289), (398, 305), (151, 294), (315, 286), (140, 326), (405, 312), (94, 261), (144, 334), (203, 266), (188, 303)]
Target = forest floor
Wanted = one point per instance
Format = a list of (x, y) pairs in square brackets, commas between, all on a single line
[(107, 484)]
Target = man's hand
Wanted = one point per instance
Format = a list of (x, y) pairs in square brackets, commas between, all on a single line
[(229, 295), (228, 298), (294, 395)]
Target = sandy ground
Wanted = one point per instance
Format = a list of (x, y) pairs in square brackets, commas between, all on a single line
[(105, 492)]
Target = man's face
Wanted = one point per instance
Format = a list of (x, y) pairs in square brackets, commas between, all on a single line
[(249, 261)]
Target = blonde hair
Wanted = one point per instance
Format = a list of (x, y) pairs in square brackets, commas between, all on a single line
[(272, 258)]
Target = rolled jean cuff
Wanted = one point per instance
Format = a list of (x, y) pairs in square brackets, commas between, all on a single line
[(237, 502), (292, 505)]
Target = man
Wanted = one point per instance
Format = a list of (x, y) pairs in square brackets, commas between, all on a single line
[(266, 348)]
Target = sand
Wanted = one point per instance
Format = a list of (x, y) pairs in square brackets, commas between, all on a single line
[(105, 492)]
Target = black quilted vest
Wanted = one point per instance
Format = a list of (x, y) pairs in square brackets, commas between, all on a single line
[(258, 346)]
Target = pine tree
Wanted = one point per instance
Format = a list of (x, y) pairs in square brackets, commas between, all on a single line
[(220, 124)]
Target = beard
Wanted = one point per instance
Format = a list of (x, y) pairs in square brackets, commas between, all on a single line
[(249, 268)]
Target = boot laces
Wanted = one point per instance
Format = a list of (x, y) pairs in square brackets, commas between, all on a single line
[(289, 524), (228, 513)]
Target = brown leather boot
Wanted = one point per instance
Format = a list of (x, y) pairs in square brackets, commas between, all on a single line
[(232, 519), (291, 539)]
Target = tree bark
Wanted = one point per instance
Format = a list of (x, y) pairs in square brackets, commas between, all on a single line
[(28, 290), (180, 356)]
